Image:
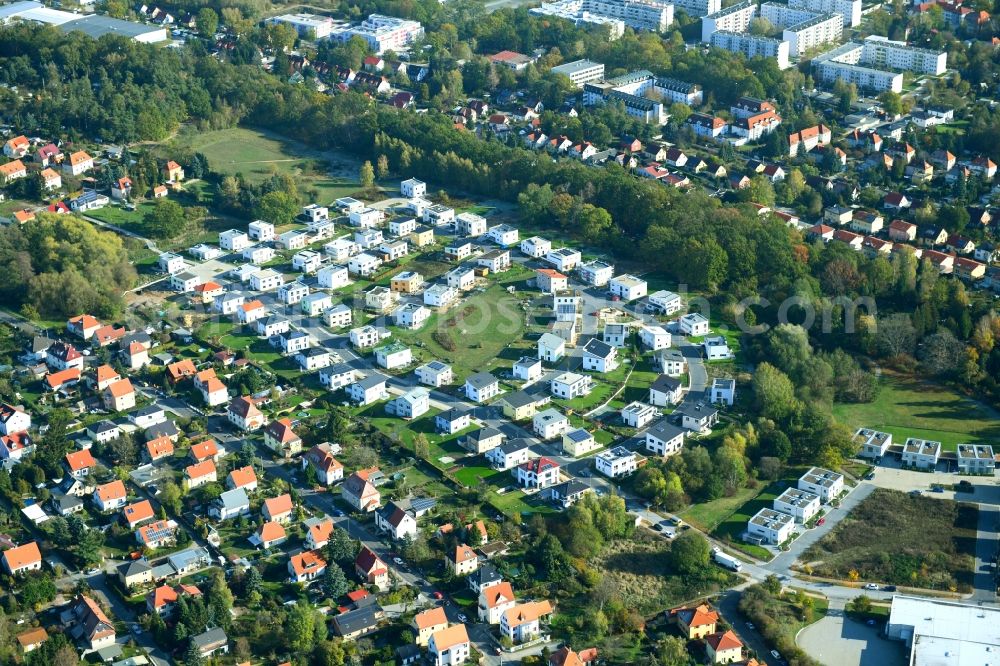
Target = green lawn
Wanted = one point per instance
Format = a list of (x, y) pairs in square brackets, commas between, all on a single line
[(908, 408), (480, 331), (257, 157)]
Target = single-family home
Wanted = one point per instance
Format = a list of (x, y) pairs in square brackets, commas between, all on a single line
[(599, 356), (396, 521), (367, 390), (616, 462), (664, 438), (452, 421), (435, 373), (638, 414), (549, 424), (551, 348), (481, 386), (510, 454), (360, 493), (281, 439), (370, 568), (410, 405)]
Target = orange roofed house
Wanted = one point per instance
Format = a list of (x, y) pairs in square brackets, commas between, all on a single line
[(207, 450), (32, 639), (181, 369), (12, 171), (306, 566), (83, 326), (213, 391), (161, 447), (524, 621), (20, 559), (279, 509), (319, 533), (80, 463), (119, 396), (163, 600), (138, 513), (328, 469), (723, 647), (371, 569), (429, 622), (199, 474), (449, 647), (494, 601), (695, 622), (244, 477), (173, 172), (565, 656), (269, 534), (78, 163), (462, 561), (109, 496)]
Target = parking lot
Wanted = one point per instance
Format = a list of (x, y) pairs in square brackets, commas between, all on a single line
[(837, 640), (986, 489)]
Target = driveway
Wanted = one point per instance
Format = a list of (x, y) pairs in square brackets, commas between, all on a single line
[(783, 562), (837, 640)]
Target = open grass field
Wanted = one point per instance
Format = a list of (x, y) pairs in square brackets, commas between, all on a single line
[(478, 332), (908, 408), (258, 156), (892, 537)]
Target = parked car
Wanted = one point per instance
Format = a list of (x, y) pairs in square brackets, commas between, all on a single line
[(776, 654), (889, 588), (821, 521), (750, 626), (872, 586), (462, 617), (437, 595)]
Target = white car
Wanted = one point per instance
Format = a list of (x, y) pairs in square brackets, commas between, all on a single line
[(872, 586)]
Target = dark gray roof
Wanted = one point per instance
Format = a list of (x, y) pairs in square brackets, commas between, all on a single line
[(666, 384), (338, 369), (164, 429), (483, 433), (210, 638), (664, 430), (512, 445), (569, 488), (148, 410), (518, 399), (486, 574), (102, 426), (353, 621), (481, 380), (65, 502), (133, 568), (371, 382), (695, 411), (454, 414), (421, 504), (408, 651), (597, 348)]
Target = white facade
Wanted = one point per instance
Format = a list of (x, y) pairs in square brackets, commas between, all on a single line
[(363, 264), (569, 385), (291, 293), (393, 356), (266, 280), (735, 18), (470, 224), (580, 71), (440, 295), (461, 278), (654, 337), (338, 316), (771, 526), (800, 504), (333, 277), (382, 33), (307, 261), (638, 414), (261, 231), (828, 485), (413, 188), (234, 240), (627, 287), (753, 46), (693, 324), (596, 273), (535, 247), (850, 10), (258, 254), (664, 302), (365, 217), (549, 424), (616, 462), (435, 374), (564, 258)]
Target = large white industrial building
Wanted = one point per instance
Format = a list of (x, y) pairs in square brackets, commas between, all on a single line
[(945, 633), (92, 25)]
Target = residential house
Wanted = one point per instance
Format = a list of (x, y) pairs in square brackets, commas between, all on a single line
[(429, 622), (638, 414), (723, 647), (693, 324), (306, 566), (449, 647), (157, 534), (452, 421), (367, 390), (510, 454), (665, 391), (396, 521), (723, 391), (435, 373), (230, 504), (462, 561), (599, 356), (281, 439), (371, 569), (829, 485), (695, 623), (360, 493), (551, 348), (800, 504), (481, 386), (522, 622), (250, 312), (244, 414), (21, 559), (770, 526), (549, 424), (199, 474), (393, 355), (410, 405), (664, 438), (578, 442), (616, 462), (110, 496), (90, 626), (570, 385)]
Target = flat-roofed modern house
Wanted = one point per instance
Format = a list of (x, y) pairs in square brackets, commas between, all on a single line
[(800, 504), (771, 526), (921, 453), (873, 443), (828, 485), (976, 459)]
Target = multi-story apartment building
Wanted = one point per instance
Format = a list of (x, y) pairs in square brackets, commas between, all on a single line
[(581, 71), (382, 33), (654, 15), (752, 46), (735, 18), (849, 10)]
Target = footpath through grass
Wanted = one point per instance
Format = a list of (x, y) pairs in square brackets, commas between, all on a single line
[(906, 408)]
